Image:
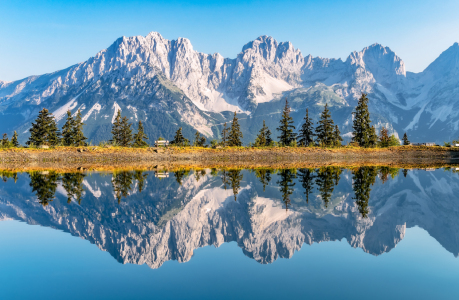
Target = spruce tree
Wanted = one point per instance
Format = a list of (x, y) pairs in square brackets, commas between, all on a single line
[(286, 185), (406, 142), (337, 139), (179, 140), (286, 128), (126, 133), (5, 141), (325, 129), (140, 137), (261, 140), (225, 131), (116, 129), (235, 178), (68, 130), (362, 133), (384, 138), (269, 140), (44, 131), (14, 139), (307, 181), (235, 134), (78, 135), (199, 140), (307, 131), (363, 178)]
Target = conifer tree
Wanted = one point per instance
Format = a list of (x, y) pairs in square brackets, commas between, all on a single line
[(44, 131), (363, 178), (286, 185), (337, 139), (235, 178), (307, 131), (225, 131), (116, 129), (140, 137), (269, 140), (73, 185), (235, 134), (362, 133), (384, 138), (406, 142), (126, 133), (78, 135), (264, 175), (199, 140), (5, 141), (285, 127), (68, 131), (261, 140), (326, 180), (179, 139), (325, 129), (14, 139), (393, 141)]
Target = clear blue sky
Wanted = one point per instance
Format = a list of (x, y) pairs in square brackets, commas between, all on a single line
[(37, 37)]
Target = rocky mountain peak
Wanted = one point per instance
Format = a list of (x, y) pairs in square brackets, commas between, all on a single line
[(447, 62)]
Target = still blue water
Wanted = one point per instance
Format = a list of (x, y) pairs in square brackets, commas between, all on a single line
[(190, 239)]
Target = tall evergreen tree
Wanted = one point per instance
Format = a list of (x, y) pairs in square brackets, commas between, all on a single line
[(362, 133), (44, 131), (225, 132), (78, 130), (269, 140), (122, 182), (5, 142), (264, 175), (68, 130), (337, 139), (116, 129), (384, 138), (199, 140), (325, 128), (140, 137), (126, 133), (285, 127), (307, 131), (261, 140), (326, 180), (179, 139), (14, 139), (406, 142), (235, 134)]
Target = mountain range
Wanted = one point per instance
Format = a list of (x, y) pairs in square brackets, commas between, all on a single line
[(167, 84)]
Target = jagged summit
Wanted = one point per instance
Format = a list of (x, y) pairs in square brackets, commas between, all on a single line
[(124, 76)]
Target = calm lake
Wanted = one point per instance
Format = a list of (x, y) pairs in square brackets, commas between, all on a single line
[(328, 233)]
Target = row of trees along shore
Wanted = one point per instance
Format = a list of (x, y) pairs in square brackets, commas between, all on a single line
[(44, 131)]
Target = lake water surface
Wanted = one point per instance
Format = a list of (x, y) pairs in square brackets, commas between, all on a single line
[(327, 233)]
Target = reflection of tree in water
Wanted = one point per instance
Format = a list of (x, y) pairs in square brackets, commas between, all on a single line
[(405, 172), (307, 181), (286, 184), (235, 178), (73, 185), (264, 175), (44, 185), (225, 179), (384, 173), (326, 180), (198, 174), (7, 175), (180, 174), (122, 182), (140, 177), (363, 178)]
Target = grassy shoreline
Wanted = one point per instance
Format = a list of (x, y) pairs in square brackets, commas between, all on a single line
[(95, 158)]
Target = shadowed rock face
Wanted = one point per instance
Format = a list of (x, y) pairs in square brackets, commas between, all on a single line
[(167, 221)]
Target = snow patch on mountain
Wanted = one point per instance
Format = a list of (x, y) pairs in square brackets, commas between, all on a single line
[(95, 108), (115, 113)]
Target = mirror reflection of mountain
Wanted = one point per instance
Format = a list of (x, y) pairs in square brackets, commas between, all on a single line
[(150, 218)]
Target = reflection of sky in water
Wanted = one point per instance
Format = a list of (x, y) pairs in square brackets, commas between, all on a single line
[(40, 262)]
